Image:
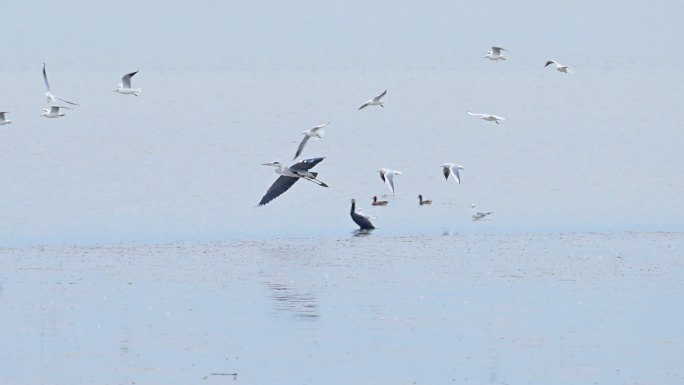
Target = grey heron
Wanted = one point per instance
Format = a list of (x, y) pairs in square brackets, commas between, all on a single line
[(376, 202), (4, 121), (53, 112), (452, 169), (289, 176), (52, 98), (422, 201), (495, 54), (125, 85), (376, 101), (476, 214), (387, 176), (360, 219), (314, 132), (488, 117), (560, 67)]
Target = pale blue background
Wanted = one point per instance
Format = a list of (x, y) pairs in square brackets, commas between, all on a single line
[(230, 85)]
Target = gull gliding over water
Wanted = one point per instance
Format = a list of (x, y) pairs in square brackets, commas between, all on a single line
[(289, 176), (53, 112), (376, 101), (560, 67), (315, 132), (4, 121), (495, 54), (52, 98), (387, 176), (477, 215), (452, 169), (488, 117), (359, 218), (125, 85)]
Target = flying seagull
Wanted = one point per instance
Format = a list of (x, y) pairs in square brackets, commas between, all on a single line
[(387, 176), (375, 101), (125, 85), (52, 98), (452, 169), (495, 54), (53, 112), (488, 117), (560, 67), (290, 175), (315, 132), (4, 121), (477, 215), (359, 218)]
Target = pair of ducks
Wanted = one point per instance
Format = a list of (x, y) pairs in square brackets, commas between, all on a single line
[(421, 201)]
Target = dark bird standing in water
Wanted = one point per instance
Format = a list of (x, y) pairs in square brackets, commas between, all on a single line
[(360, 219)]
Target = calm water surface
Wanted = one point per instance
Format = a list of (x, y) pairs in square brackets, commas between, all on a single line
[(466, 309)]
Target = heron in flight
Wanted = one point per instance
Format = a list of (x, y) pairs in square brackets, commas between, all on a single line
[(125, 85), (52, 98), (488, 117), (4, 121), (560, 67), (359, 218), (387, 176), (452, 169), (289, 175), (495, 54), (314, 132), (376, 101)]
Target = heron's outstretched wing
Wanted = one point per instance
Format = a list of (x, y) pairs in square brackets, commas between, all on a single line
[(364, 105), (307, 164), (445, 171), (282, 184), (301, 146), (389, 179), (381, 95), (126, 79)]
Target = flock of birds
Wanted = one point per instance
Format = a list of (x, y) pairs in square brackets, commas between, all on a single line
[(289, 175), (54, 109)]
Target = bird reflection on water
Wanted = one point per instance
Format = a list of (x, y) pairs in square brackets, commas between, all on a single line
[(289, 299)]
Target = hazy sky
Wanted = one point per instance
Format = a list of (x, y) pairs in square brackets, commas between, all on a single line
[(348, 34), (230, 85)]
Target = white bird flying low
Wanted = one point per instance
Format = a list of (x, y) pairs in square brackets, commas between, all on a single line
[(4, 121), (488, 117), (560, 67), (387, 176), (376, 101), (289, 176), (52, 98), (315, 132), (495, 54), (53, 112), (476, 214), (452, 169), (125, 85)]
